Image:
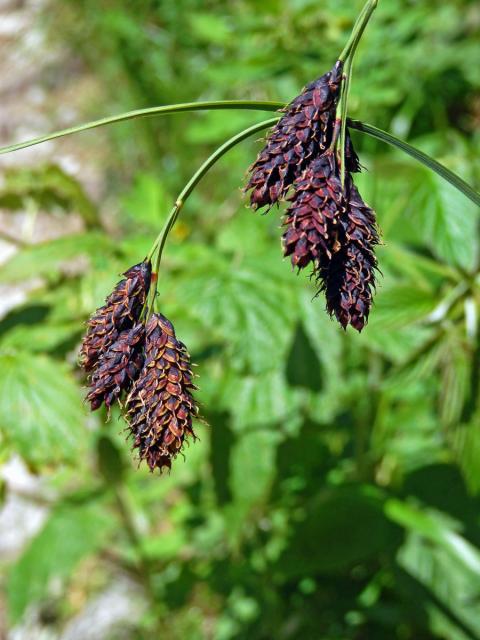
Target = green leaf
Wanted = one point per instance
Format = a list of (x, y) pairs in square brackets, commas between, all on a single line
[(250, 307), (436, 530), (302, 366), (257, 400), (49, 186), (465, 442), (54, 258), (74, 530), (399, 305), (252, 466), (342, 527), (447, 221), (41, 412)]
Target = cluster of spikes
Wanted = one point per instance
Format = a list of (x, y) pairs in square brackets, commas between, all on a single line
[(327, 224), (140, 364), (132, 356)]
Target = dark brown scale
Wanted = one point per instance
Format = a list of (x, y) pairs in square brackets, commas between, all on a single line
[(117, 368), (121, 311), (160, 406), (311, 221), (303, 134), (350, 281)]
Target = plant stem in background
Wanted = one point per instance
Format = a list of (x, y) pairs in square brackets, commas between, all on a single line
[(190, 186), (418, 155), (343, 115), (370, 130), (358, 29)]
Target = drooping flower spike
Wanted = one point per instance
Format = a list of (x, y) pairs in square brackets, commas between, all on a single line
[(303, 134), (117, 368), (121, 311), (160, 406)]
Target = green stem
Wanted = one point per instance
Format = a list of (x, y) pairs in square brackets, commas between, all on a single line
[(135, 540), (370, 130), (358, 29), (184, 194), (198, 175), (343, 116), (418, 155), (151, 111)]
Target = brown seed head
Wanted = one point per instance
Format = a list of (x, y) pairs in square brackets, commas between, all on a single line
[(121, 311), (160, 406), (311, 220), (350, 280), (117, 368), (301, 135)]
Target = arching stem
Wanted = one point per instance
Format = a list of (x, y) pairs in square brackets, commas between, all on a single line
[(358, 29), (149, 112), (418, 155), (159, 244), (343, 116)]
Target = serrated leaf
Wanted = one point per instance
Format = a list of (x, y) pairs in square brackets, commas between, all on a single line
[(72, 531), (447, 221), (41, 412), (251, 308)]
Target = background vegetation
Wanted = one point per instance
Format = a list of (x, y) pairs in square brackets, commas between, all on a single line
[(335, 492)]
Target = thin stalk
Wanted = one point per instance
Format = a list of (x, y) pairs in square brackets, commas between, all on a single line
[(370, 130), (198, 175), (418, 155), (126, 515), (145, 113), (184, 194), (343, 116), (358, 29)]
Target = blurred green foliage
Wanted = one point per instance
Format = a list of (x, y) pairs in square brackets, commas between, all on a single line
[(335, 492)]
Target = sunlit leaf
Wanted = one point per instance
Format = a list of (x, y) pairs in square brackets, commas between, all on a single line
[(41, 408)]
